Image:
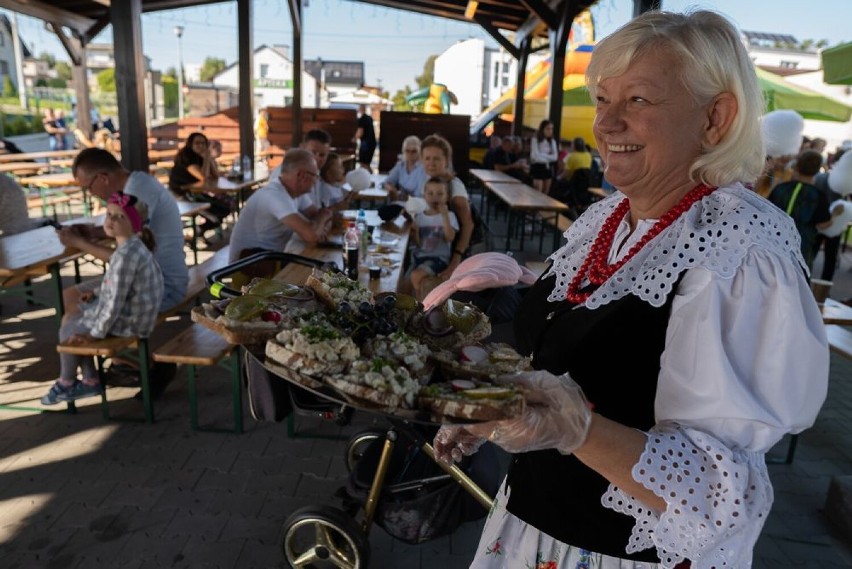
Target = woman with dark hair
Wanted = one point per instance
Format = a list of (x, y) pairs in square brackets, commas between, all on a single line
[(195, 168), (543, 154)]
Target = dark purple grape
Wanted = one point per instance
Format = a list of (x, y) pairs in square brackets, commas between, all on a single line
[(388, 302), (345, 307), (365, 308)]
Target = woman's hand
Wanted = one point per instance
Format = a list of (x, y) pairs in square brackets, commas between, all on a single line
[(557, 416), (70, 237), (87, 296)]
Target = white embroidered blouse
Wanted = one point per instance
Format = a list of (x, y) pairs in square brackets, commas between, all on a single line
[(745, 362)]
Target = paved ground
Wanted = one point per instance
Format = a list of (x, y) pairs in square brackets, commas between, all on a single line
[(76, 492)]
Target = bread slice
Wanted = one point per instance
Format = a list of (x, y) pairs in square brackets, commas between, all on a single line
[(302, 364), (380, 397), (472, 405), (501, 359)]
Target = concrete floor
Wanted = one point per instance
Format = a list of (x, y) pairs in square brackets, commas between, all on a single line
[(78, 492)]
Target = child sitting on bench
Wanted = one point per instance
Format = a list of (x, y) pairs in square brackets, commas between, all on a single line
[(126, 304)]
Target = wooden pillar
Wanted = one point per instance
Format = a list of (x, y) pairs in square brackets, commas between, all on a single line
[(75, 47), (246, 72), (126, 19), (521, 85), (558, 45), (81, 89), (296, 17)]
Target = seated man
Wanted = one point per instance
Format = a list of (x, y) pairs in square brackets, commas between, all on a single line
[(97, 171), (282, 207), (578, 159), (506, 161)]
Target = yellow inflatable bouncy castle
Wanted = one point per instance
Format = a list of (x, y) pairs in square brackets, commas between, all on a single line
[(434, 99)]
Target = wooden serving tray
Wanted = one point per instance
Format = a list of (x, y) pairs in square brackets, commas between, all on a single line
[(245, 337)]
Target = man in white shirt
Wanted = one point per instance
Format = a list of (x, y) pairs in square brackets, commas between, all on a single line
[(98, 172), (282, 207)]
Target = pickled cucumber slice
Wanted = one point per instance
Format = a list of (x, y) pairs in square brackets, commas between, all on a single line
[(461, 316), (494, 392), (246, 307), (268, 287)]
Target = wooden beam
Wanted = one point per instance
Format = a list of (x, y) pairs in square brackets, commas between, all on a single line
[(72, 45), (126, 19), (498, 37), (296, 18), (520, 86), (49, 13), (543, 11), (246, 77), (558, 44), (97, 28)]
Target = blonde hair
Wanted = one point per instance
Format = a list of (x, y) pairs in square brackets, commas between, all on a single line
[(410, 141), (713, 60)]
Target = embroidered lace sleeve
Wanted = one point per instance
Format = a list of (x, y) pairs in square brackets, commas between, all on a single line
[(745, 362)]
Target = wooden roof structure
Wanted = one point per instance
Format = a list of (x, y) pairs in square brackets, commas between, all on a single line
[(77, 22)]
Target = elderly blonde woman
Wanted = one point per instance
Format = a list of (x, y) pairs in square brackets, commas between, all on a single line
[(407, 176), (675, 336)]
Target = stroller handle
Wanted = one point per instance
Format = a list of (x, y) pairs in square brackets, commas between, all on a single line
[(219, 289)]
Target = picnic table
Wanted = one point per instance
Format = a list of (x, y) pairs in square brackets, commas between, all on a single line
[(390, 249), (521, 201), (834, 312), (34, 253), (22, 168), (43, 155), (488, 176)]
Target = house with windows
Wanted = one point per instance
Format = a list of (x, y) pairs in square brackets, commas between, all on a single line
[(273, 78), (477, 74), (780, 53), (8, 67), (336, 78)]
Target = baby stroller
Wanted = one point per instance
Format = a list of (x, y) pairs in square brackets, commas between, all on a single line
[(395, 482), (394, 479)]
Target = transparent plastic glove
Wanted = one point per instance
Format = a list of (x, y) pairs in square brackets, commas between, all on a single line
[(557, 416), (453, 442)]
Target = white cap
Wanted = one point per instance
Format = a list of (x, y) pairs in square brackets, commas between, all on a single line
[(782, 132)]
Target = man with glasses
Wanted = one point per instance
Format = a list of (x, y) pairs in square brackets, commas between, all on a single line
[(98, 172), (281, 208)]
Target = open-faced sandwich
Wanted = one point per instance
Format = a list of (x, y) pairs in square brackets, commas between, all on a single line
[(333, 288), (314, 348), (481, 362), (380, 381), (403, 349), (265, 308), (450, 325), (469, 400)]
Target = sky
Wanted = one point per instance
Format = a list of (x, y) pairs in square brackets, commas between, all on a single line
[(395, 44)]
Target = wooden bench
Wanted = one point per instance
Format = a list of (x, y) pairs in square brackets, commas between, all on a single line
[(839, 340), (199, 346), (111, 347)]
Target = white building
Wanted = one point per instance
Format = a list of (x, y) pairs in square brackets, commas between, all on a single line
[(477, 74), (8, 64), (273, 78)]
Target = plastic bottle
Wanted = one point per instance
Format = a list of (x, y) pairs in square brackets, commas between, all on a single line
[(363, 233), (351, 245), (246, 168)]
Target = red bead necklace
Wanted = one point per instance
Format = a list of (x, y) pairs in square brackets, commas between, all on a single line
[(597, 269)]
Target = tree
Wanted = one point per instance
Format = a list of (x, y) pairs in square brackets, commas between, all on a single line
[(398, 99), (48, 58), (170, 72), (170, 92), (9, 89), (211, 67), (106, 81), (428, 75), (63, 70), (57, 83)]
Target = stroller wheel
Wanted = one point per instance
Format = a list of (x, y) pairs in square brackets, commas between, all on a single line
[(323, 536), (357, 443)]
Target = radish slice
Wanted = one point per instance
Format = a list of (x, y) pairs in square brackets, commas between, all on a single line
[(474, 354), (462, 384)]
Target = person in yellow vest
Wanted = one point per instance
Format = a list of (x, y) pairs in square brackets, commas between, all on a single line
[(261, 132)]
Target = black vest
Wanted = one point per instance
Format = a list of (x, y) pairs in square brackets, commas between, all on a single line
[(613, 353)]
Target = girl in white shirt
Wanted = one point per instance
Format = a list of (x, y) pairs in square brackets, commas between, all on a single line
[(543, 154)]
